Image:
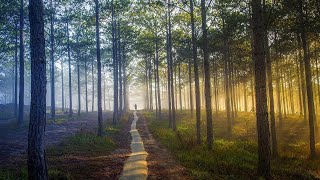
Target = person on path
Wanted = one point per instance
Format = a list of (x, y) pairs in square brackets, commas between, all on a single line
[(135, 106)]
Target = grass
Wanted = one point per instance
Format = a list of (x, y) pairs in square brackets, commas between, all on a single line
[(235, 157), (22, 174), (84, 143), (70, 159)]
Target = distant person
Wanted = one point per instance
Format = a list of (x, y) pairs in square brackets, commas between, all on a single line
[(135, 106)]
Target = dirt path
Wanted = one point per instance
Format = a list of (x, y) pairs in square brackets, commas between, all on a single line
[(136, 166), (161, 164)]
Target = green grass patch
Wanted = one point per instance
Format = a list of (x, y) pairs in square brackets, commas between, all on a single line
[(231, 158), (85, 143), (22, 174)]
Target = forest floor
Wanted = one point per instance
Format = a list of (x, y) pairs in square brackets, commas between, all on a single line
[(73, 149), (75, 152), (235, 157), (161, 163)]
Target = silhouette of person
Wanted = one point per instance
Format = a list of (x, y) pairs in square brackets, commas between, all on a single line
[(135, 106)]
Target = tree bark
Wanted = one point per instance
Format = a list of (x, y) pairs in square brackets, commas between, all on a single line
[(37, 165), (78, 72), (196, 73), (207, 75), (307, 68), (260, 91), (53, 99), (86, 83), (69, 66), (16, 73), (302, 77), (271, 99), (21, 59), (100, 126)]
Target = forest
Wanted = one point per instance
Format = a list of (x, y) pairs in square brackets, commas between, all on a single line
[(159, 89)]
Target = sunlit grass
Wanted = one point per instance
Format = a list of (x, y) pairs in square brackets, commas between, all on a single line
[(236, 157)]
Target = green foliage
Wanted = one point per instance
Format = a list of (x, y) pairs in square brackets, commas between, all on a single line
[(85, 143), (22, 174), (234, 158)]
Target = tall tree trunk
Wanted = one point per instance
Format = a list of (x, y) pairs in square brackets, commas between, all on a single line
[(92, 79), (21, 59), (37, 165), (226, 79), (278, 82), (86, 83), (180, 97), (307, 68), (62, 86), (196, 73), (271, 97), (120, 71), (115, 67), (78, 72), (302, 76), (207, 75), (260, 91), (125, 83), (53, 99), (174, 127), (169, 69), (16, 73), (100, 126), (158, 78), (299, 85), (69, 66), (245, 96)]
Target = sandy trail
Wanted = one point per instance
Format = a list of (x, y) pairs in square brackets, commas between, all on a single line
[(135, 168)]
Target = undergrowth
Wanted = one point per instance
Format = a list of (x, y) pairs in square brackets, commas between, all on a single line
[(233, 157)]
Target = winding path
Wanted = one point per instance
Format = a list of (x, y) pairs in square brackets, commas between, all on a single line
[(135, 168)]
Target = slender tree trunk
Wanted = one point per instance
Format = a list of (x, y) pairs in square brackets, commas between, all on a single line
[(299, 86), (278, 82), (190, 86), (16, 74), (78, 72), (303, 83), (271, 97), (207, 75), (115, 68), (21, 83), (252, 92), (125, 83), (120, 71), (196, 73), (62, 86), (100, 126), (53, 99), (92, 79), (169, 69), (307, 67), (180, 97), (86, 82), (158, 78), (226, 79), (260, 91), (37, 165), (69, 66), (174, 127), (245, 96)]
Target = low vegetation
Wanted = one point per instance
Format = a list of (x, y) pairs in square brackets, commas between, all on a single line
[(235, 157)]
